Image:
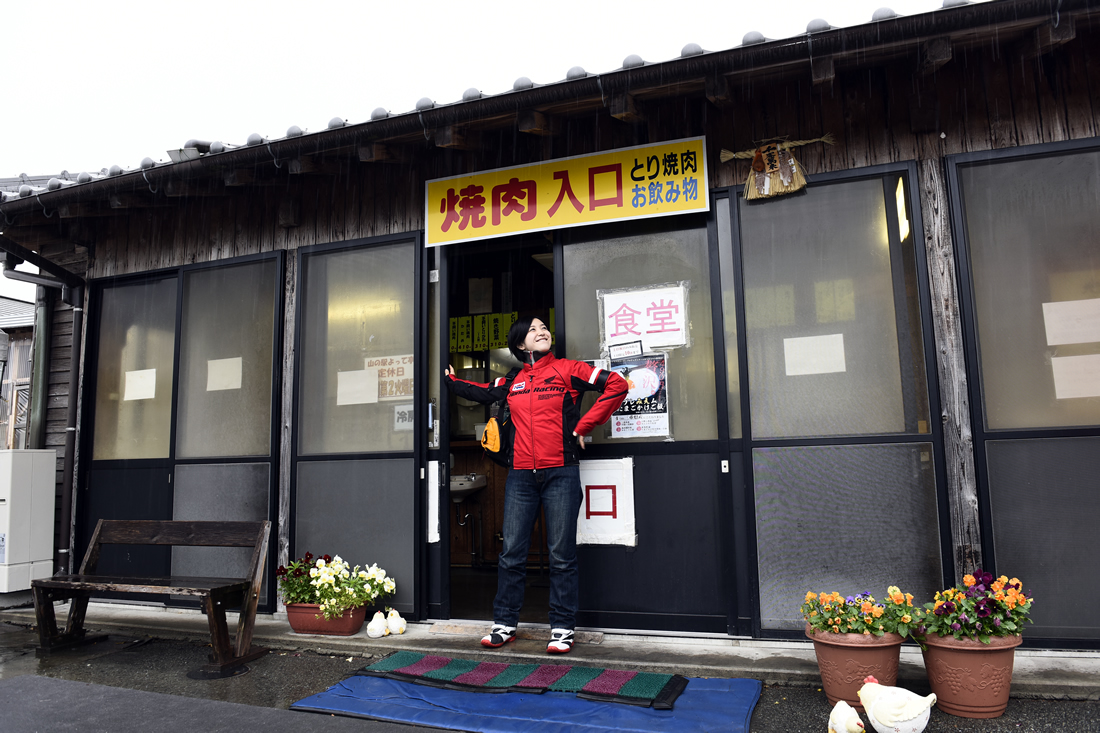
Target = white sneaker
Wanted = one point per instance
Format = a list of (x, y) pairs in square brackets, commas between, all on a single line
[(561, 641), (499, 636)]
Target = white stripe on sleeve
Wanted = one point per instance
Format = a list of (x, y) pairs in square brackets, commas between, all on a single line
[(595, 373)]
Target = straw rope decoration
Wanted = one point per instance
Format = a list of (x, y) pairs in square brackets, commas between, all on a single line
[(774, 170)]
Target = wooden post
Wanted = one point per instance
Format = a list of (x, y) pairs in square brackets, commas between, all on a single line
[(286, 412), (958, 438)]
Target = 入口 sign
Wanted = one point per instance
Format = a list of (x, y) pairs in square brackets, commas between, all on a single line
[(631, 183)]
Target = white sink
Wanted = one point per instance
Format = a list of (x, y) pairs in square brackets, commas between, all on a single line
[(465, 485)]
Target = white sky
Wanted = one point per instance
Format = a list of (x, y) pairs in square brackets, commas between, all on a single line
[(92, 83)]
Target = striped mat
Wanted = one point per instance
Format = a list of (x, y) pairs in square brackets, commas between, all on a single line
[(647, 689)]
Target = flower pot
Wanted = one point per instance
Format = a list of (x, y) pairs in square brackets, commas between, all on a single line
[(970, 679), (844, 660), (303, 620)]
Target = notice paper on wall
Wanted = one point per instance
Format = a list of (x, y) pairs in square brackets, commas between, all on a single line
[(1072, 321), (814, 354), (357, 387), (224, 374), (433, 501), (1076, 376), (607, 505), (140, 385)]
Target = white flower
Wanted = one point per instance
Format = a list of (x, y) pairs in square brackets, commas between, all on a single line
[(388, 585), (320, 562)]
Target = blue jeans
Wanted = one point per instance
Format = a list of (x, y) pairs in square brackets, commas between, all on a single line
[(558, 490)]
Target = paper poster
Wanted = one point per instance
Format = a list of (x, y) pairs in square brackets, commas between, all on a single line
[(357, 387), (433, 502), (393, 376), (140, 385), (224, 374), (656, 316), (402, 418), (644, 412), (1076, 376), (607, 506), (814, 355), (1072, 322)]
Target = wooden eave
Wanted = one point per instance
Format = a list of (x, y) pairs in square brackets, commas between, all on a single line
[(34, 220)]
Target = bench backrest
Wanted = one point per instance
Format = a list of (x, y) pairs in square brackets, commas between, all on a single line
[(182, 534), (187, 534)]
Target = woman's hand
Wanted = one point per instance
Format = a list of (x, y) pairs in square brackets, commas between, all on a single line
[(449, 371), (580, 439)]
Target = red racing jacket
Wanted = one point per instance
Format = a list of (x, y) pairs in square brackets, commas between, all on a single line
[(544, 401)]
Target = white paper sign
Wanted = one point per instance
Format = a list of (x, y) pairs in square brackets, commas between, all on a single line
[(1072, 321), (607, 506), (1076, 376), (224, 374), (656, 316), (403, 417), (393, 375), (140, 385), (814, 354), (357, 387), (433, 501)]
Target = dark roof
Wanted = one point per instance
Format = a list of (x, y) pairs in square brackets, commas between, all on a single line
[(15, 313), (883, 39)]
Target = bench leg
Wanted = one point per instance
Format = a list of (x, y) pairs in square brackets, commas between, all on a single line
[(45, 618), (49, 639), (223, 656), (219, 630)]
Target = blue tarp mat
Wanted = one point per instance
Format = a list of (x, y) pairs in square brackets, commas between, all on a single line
[(705, 705)]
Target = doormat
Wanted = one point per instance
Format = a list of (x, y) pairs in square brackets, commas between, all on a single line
[(647, 689), (724, 705)]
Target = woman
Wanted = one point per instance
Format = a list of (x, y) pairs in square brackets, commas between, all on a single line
[(544, 401)]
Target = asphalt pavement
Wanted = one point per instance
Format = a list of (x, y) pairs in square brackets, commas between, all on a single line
[(146, 653)]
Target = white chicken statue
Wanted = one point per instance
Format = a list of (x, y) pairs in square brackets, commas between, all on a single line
[(395, 623), (893, 709), (844, 719), (377, 626)]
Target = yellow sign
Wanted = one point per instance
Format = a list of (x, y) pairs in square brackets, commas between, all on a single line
[(631, 183)]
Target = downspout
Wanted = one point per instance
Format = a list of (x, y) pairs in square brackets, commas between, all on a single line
[(72, 292), (40, 373), (64, 544)]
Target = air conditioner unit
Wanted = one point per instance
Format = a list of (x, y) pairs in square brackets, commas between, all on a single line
[(27, 485)]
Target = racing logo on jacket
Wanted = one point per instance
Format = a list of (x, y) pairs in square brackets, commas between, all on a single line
[(519, 386)]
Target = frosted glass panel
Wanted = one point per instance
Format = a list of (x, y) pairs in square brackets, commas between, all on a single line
[(832, 318), (846, 519), (663, 255), (355, 388), (133, 398), (729, 314), (225, 492), (363, 511), (1046, 509), (225, 361), (1034, 235)]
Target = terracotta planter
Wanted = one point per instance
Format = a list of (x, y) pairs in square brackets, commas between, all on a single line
[(303, 620), (970, 679), (844, 660)]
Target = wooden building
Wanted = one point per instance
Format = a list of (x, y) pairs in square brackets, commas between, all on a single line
[(891, 376)]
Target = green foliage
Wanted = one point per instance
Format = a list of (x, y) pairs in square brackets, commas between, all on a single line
[(333, 584), (861, 614)]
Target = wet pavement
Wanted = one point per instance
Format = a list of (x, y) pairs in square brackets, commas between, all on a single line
[(273, 682)]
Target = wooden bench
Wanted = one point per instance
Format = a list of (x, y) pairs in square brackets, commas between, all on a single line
[(215, 594)]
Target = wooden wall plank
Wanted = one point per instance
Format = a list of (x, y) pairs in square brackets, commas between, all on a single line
[(1073, 73)]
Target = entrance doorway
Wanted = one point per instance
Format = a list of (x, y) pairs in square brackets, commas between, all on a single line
[(489, 286)]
